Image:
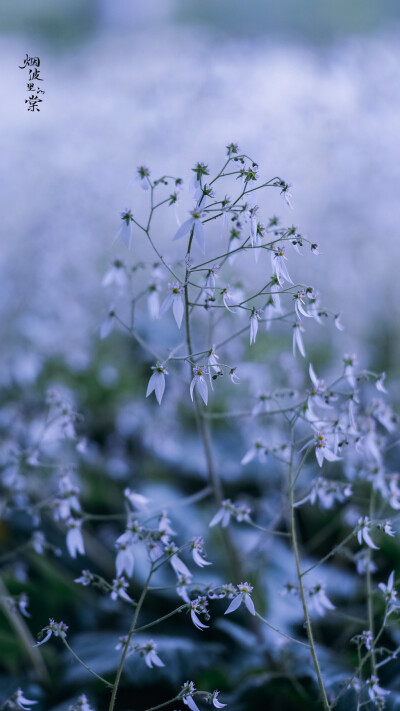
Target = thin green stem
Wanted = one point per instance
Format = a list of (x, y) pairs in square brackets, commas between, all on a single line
[(300, 580), (82, 663)]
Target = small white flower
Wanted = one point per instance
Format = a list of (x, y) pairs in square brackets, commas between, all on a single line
[(278, 259), (59, 629), (338, 323), (85, 579), (389, 591), (254, 319), (228, 297), (299, 305), (187, 692), (199, 383), (116, 275), (375, 692), (244, 590), (257, 451), (363, 532), (322, 451), (178, 565), (319, 601), (150, 655), (197, 548), (195, 223), (157, 382), (143, 176), (153, 302), (175, 300), (74, 537), (216, 703), (198, 606), (350, 362), (124, 561), (223, 515), (21, 701), (209, 285), (183, 581), (108, 324), (124, 231), (233, 376), (118, 590)]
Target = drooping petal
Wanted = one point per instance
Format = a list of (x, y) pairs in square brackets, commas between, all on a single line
[(249, 604), (184, 228), (236, 602), (178, 309)]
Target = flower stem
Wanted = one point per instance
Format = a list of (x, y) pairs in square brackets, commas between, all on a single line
[(307, 619), (131, 631)]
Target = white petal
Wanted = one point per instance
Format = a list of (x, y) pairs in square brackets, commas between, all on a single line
[(249, 604), (178, 309), (184, 229), (236, 602), (199, 235)]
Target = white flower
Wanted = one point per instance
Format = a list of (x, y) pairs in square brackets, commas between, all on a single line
[(153, 302), (59, 629), (39, 542), (74, 538), (119, 587), (254, 319), (199, 383), (195, 223), (178, 565), (375, 692), (143, 175), (299, 305), (350, 361), (228, 298), (108, 324), (319, 602), (363, 532), (298, 339), (362, 562), (338, 323), (197, 547), (322, 451), (223, 515), (175, 300), (209, 285), (183, 581), (233, 376), (188, 689), (198, 606), (164, 526), (85, 579), (21, 701), (244, 596), (389, 591), (157, 382), (124, 561), (116, 275), (328, 492), (216, 703), (257, 451), (278, 259), (124, 231), (150, 655)]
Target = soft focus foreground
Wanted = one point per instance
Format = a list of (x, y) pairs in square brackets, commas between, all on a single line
[(89, 465)]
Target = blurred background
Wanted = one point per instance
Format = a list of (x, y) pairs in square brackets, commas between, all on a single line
[(309, 89)]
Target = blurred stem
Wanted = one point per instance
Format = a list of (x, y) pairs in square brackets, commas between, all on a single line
[(370, 601), (18, 624), (300, 579), (126, 647)]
